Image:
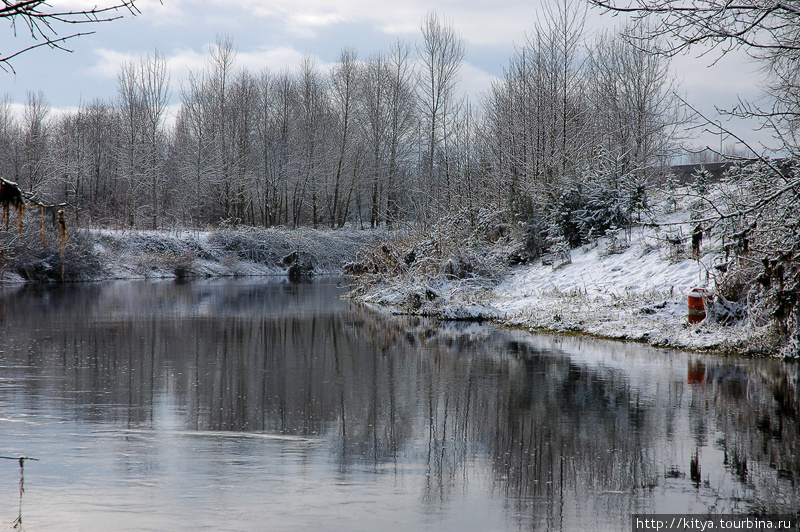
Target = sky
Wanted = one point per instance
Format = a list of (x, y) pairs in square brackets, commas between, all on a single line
[(276, 34)]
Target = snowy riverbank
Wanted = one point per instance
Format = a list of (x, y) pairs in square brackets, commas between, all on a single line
[(629, 286), (99, 254), (637, 294)]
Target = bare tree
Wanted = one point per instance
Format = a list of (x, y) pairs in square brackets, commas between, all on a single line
[(9, 136), (403, 118), (278, 149), (267, 148), (572, 130), (38, 23), (537, 121), (193, 140), (344, 87), (35, 138), (312, 108), (441, 53), (243, 114), (634, 103), (67, 153), (761, 29), (100, 127), (143, 90), (155, 91), (388, 120), (143, 94), (131, 146), (222, 59), (767, 32), (565, 34), (376, 126)]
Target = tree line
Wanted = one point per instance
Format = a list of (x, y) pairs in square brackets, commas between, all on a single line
[(373, 141)]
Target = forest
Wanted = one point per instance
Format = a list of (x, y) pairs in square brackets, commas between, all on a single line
[(376, 141)]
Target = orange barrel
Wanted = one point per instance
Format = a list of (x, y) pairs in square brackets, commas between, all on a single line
[(697, 304)]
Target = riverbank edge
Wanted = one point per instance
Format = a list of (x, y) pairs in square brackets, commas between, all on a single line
[(102, 254), (708, 338), (635, 294)]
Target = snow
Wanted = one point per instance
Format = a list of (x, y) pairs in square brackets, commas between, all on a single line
[(226, 252), (630, 287), (634, 295)]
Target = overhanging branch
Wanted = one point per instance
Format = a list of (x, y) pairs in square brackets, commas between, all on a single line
[(42, 23)]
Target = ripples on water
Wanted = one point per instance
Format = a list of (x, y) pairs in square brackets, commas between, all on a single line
[(270, 406)]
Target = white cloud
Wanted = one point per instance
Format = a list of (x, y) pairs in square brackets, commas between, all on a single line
[(17, 109), (169, 13), (480, 22), (108, 62), (474, 81), (182, 62)]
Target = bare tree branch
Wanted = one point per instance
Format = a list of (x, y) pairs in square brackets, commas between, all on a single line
[(757, 26), (41, 23)]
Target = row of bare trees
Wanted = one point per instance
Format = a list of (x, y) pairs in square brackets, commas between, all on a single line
[(577, 129), (298, 148), (372, 141)]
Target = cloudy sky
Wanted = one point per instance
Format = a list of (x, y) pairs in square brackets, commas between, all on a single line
[(278, 33)]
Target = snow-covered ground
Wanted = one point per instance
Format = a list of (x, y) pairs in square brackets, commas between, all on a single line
[(99, 254), (631, 286), (638, 294)]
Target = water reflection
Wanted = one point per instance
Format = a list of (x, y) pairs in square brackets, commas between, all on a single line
[(400, 422)]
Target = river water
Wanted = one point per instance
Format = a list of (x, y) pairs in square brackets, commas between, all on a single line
[(257, 405)]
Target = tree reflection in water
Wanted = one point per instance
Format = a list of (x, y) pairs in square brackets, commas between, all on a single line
[(559, 428)]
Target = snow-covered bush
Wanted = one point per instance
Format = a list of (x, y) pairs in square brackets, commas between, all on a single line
[(675, 246), (327, 250), (720, 310), (616, 241), (570, 216), (247, 244), (560, 252), (599, 200), (533, 228), (422, 265)]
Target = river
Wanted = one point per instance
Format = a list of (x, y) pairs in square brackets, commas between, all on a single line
[(261, 405)]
